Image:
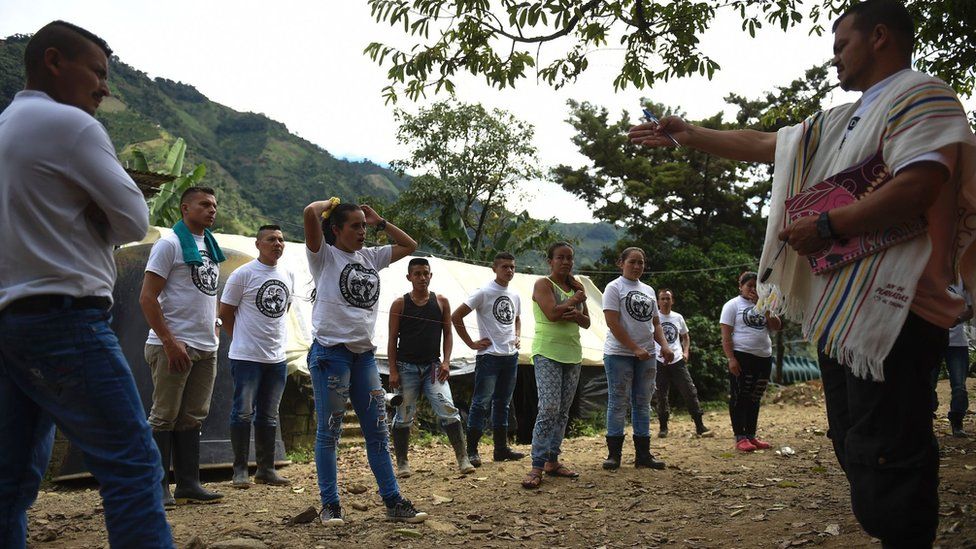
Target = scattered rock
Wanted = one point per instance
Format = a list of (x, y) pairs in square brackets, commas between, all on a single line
[(359, 506), (357, 489), (305, 517), (480, 528), (833, 529), (47, 534)]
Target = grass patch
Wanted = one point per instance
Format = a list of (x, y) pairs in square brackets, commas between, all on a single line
[(427, 439), (301, 454), (594, 425)]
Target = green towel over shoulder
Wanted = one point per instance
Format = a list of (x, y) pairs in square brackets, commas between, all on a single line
[(191, 255)]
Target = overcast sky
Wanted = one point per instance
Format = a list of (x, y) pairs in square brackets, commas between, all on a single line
[(301, 63)]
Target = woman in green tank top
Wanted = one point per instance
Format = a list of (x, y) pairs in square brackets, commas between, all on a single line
[(559, 309)]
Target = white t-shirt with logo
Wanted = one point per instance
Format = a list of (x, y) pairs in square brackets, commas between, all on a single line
[(189, 298), (262, 294), (749, 333), (347, 292), (673, 325), (637, 307), (497, 308)]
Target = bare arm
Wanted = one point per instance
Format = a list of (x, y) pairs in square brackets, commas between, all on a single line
[(583, 316), (312, 220), (618, 331), (396, 310), (445, 370), (773, 322), (457, 318), (685, 345), (728, 349), (227, 315), (542, 294), (518, 332), (403, 245), (152, 286), (745, 145), (904, 198)]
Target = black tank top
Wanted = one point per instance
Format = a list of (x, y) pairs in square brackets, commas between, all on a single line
[(420, 331)]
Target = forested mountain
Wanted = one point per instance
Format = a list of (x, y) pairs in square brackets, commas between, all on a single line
[(262, 172)]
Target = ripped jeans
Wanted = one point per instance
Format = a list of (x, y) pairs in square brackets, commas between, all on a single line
[(339, 374), (415, 378)]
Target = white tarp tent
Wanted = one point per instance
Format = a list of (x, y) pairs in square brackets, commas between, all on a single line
[(453, 279)]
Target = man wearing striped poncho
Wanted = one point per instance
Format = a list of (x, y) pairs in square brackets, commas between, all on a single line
[(880, 321)]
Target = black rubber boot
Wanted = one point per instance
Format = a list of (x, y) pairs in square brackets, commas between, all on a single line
[(186, 466), (615, 447), (955, 420), (474, 436), (240, 442), (644, 459), (164, 441), (264, 453), (502, 451), (401, 441), (456, 435), (662, 419), (700, 428)]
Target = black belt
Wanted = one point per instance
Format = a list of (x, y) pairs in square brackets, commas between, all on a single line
[(38, 304)]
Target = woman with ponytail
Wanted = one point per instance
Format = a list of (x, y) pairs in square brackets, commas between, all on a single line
[(340, 360)]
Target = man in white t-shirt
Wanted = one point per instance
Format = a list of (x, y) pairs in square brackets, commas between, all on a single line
[(253, 311), (179, 301), (675, 373), (498, 309), (65, 202)]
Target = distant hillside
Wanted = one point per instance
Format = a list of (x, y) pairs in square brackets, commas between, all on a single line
[(260, 169), (263, 173)]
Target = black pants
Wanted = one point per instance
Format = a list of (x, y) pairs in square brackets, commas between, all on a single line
[(746, 391), (882, 435), (675, 375)]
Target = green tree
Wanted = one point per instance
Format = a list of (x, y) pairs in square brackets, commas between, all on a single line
[(502, 41), (471, 161), (164, 207)]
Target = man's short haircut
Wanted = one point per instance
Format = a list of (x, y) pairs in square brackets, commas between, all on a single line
[(263, 228), (662, 290), (890, 13), (194, 190), (747, 276), (502, 256), (70, 40), (417, 261)]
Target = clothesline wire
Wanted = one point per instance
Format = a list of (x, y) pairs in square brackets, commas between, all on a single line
[(283, 222)]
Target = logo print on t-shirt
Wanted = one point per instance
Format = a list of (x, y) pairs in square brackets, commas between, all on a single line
[(670, 331), (272, 298), (359, 286), (205, 276), (504, 310), (753, 319), (639, 305)]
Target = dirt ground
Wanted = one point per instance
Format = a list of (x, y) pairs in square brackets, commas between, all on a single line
[(707, 497)]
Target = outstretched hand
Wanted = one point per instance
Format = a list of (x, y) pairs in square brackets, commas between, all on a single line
[(655, 134)]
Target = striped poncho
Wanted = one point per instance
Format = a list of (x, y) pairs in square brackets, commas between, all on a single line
[(855, 313)]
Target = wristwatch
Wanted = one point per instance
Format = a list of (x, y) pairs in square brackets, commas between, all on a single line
[(381, 226), (824, 230)]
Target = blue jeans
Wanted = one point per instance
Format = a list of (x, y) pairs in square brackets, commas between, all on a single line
[(415, 378), (339, 374), (494, 383), (556, 384), (629, 381), (66, 368), (957, 365), (257, 392)]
